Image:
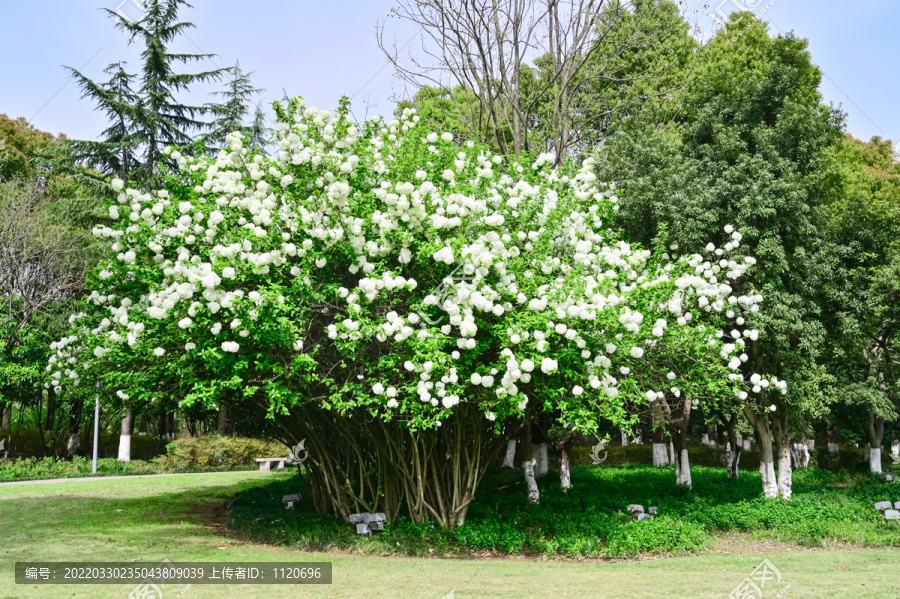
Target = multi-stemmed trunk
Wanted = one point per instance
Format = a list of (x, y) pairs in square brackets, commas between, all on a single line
[(875, 435), (125, 432)]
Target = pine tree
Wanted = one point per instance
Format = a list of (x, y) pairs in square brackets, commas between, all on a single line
[(232, 113), (163, 121), (116, 152)]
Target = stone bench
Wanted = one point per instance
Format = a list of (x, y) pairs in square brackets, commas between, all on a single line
[(265, 464), (290, 500), (366, 523)]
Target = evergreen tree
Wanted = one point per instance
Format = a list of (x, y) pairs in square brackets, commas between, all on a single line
[(232, 113), (163, 120), (116, 153)]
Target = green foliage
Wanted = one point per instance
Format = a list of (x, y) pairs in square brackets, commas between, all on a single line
[(213, 450), (751, 148), (20, 142), (50, 467), (590, 519)]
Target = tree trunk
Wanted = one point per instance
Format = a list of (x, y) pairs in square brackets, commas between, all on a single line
[(528, 462), (509, 460), (760, 423), (660, 447), (144, 426), (51, 409), (171, 426), (125, 431), (6, 422), (800, 455), (624, 438), (834, 437), (672, 452), (565, 479), (875, 434), (712, 436), (732, 448), (222, 424), (679, 431), (161, 422), (783, 449), (895, 448), (73, 444)]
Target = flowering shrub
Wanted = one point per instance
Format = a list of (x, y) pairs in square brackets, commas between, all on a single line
[(387, 268)]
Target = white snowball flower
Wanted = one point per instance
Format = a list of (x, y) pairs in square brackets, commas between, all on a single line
[(158, 352), (230, 346), (637, 352), (576, 390), (392, 403), (377, 388)]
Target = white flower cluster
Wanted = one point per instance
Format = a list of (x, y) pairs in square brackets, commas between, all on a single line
[(488, 280)]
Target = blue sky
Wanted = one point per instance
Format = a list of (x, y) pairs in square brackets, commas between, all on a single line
[(323, 50)]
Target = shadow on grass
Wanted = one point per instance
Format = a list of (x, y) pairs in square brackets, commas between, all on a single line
[(591, 519)]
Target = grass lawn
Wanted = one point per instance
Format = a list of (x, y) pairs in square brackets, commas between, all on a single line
[(175, 518)]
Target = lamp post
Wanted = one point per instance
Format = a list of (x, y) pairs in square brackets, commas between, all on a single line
[(96, 426)]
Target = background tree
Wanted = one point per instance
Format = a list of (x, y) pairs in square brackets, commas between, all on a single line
[(487, 49), (749, 149), (232, 113), (864, 219), (163, 120)]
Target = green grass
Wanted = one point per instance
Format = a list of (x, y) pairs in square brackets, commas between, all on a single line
[(173, 518)]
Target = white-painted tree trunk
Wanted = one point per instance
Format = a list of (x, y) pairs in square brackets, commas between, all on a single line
[(126, 428), (672, 459), (684, 470), (624, 437), (704, 439), (800, 455), (637, 440), (785, 476), (811, 444), (565, 479), (833, 448), (124, 448), (541, 460), (509, 460), (732, 464), (534, 495), (769, 483), (875, 460), (660, 454), (747, 445), (895, 450)]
